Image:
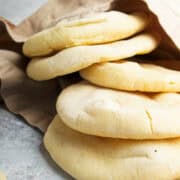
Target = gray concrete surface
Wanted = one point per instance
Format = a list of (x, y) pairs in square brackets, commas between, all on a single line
[(22, 154)]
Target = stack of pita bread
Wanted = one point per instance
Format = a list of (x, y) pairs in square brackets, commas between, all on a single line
[(122, 122)]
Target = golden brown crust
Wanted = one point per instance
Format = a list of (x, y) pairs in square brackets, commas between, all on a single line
[(89, 157), (152, 76), (99, 28), (76, 58), (119, 114)]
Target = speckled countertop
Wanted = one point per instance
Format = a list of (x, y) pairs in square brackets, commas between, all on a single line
[(22, 154)]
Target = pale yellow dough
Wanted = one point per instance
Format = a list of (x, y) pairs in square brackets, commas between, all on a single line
[(151, 76), (92, 29), (92, 158), (119, 114), (2, 176), (76, 58)]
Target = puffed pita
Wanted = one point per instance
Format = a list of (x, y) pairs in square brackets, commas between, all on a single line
[(76, 58), (149, 76), (93, 158), (2, 176), (92, 29), (119, 114)]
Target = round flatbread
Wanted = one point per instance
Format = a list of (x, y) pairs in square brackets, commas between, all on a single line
[(76, 58), (2, 176), (136, 76), (93, 29), (89, 157), (119, 114)]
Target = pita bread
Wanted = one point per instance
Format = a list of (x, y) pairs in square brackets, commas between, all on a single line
[(2, 176), (134, 76), (93, 29), (76, 58), (89, 157), (119, 114)]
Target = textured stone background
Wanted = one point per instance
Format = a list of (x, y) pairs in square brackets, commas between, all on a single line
[(22, 155)]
